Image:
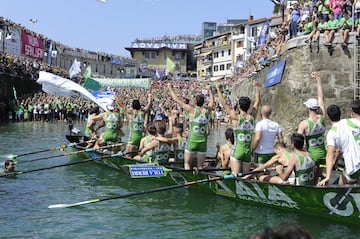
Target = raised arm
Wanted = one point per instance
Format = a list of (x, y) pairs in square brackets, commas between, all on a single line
[(321, 99), (212, 101), (121, 104), (148, 105), (228, 109), (256, 105), (182, 104)]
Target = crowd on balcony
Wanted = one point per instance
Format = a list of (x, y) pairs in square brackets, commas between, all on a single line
[(313, 18), (171, 39)]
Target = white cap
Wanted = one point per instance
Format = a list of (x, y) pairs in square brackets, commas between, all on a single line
[(312, 104)]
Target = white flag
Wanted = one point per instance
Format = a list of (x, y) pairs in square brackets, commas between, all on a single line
[(74, 69)]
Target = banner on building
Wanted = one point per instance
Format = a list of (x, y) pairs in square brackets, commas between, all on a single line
[(263, 34), (32, 46)]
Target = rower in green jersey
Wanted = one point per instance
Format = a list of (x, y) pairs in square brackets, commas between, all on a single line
[(199, 118), (243, 125), (160, 146), (92, 113), (137, 120), (313, 128), (113, 124), (300, 163), (145, 141), (281, 157)]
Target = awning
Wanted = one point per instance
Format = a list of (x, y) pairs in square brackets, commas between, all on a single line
[(216, 78), (204, 54)]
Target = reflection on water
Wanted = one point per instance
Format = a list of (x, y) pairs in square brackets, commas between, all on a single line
[(179, 213)]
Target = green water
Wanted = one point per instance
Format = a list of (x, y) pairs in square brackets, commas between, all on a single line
[(178, 213)]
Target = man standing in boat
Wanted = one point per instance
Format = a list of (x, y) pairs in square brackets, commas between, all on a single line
[(313, 128), (345, 135), (199, 117), (113, 125), (136, 118), (243, 124), (266, 131)]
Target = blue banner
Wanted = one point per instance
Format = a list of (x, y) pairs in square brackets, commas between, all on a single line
[(263, 34), (115, 61), (274, 74), (146, 171)]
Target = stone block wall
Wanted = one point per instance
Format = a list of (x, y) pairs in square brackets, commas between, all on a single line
[(335, 65)]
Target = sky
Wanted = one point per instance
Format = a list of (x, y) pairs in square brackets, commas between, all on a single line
[(110, 27)]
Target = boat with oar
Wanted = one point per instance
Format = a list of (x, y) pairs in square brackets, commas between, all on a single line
[(340, 203)]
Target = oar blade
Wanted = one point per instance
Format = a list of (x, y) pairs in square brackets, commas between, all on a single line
[(9, 156), (73, 204)]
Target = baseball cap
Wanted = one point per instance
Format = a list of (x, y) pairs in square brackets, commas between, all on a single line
[(312, 104)]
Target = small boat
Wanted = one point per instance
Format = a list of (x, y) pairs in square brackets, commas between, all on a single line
[(336, 202)]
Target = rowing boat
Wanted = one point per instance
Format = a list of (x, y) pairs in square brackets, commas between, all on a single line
[(340, 203)]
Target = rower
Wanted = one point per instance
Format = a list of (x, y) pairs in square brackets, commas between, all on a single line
[(300, 166), (243, 125), (199, 118), (136, 118), (113, 124), (224, 151), (145, 141), (281, 157), (160, 146)]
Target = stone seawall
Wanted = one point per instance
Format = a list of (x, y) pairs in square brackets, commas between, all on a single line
[(335, 65)]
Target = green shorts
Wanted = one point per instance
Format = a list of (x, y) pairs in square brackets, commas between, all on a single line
[(263, 158), (199, 147), (110, 137)]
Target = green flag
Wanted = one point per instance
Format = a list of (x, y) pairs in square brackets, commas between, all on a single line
[(87, 72), (92, 84), (170, 65)]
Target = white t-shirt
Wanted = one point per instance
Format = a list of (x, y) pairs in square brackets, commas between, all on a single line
[(346, 136), (269, 129)]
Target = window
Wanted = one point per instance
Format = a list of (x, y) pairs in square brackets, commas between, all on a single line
[(228, 66), (222, 53), (222, 67), (229, 52), (216, 54), (216, 68), (147, 55), (153, 55), (239, 44)]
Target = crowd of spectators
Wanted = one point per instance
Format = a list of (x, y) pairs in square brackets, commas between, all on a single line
[(298, 19), (313, 18)]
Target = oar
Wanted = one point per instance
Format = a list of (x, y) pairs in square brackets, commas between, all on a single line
[(71, 153), (61, 147), (66, 164), (156, 189)]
